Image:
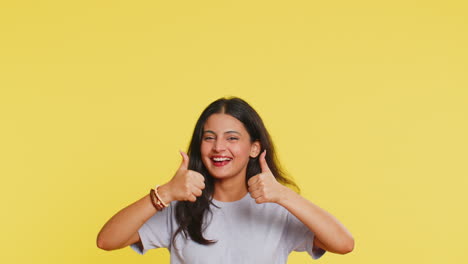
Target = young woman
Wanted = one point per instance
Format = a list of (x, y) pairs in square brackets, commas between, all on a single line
[(229, 201)]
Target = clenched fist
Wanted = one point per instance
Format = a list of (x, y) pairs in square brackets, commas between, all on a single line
[(186, 185)]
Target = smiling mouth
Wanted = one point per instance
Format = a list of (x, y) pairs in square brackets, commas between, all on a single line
[(220, 161)]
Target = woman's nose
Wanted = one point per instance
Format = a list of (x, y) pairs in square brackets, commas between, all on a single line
[(219, 146)]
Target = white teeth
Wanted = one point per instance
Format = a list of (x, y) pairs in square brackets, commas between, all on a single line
[(221, 159)]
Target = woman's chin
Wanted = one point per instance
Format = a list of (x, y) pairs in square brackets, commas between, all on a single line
[(226, 172), (220, 176)]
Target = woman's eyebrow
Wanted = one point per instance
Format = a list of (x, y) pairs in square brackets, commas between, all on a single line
[(227, 132), (233, 132)]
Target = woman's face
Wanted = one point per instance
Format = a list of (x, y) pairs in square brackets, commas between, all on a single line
[(226, 147)]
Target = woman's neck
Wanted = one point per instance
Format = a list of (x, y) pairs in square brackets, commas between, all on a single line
[(229, 190)]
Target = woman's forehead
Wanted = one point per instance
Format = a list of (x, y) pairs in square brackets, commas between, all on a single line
[(223, 123)]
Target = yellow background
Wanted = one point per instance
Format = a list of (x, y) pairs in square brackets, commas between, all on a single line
[(365, 100)]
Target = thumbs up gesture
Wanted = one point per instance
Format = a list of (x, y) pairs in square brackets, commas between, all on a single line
[(186, 185), (263, 187)]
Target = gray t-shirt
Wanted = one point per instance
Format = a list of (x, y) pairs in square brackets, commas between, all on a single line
[(246, 232)]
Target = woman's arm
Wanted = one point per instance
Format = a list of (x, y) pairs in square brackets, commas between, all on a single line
[(122, 229), (330, 234)]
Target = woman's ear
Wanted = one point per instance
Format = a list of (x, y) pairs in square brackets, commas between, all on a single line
[(255, 149)]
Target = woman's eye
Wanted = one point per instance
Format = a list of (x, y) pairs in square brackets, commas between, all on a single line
[(208, 138), (232, 138)]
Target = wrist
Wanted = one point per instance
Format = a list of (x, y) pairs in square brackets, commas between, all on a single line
[(164, 191), (285, 195)]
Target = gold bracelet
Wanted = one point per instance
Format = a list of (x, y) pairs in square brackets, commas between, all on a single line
[(159, 198), (154, 201)]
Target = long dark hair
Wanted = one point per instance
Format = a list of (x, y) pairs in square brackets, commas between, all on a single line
[(190, 215)]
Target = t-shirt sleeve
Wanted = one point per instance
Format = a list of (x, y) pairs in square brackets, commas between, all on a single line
[(156, 232), (300, 238)]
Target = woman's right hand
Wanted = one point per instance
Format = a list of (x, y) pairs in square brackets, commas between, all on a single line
[(186, 185)]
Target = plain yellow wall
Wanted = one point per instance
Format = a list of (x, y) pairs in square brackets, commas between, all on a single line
[(365, 100)]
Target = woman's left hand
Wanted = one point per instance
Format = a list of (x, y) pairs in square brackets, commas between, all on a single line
[(263, 187)]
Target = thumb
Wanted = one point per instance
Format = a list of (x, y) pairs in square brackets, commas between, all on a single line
[(185, 160), (263, 162)]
